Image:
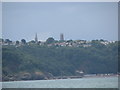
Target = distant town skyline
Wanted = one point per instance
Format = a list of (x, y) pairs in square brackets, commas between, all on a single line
[(77, 21)]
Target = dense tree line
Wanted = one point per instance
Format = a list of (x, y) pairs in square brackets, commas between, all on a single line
[(97, 59)]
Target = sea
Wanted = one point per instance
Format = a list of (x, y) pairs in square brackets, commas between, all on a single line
[(85, 82)]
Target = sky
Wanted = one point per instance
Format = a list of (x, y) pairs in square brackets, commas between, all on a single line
[(76, 20)]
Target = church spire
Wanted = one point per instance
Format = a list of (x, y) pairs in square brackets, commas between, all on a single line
[(36, 39)]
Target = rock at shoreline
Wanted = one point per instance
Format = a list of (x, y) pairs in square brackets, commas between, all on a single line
[(28, 76)]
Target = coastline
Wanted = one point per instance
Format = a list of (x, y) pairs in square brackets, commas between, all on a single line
[(85, 76), (93, 82)]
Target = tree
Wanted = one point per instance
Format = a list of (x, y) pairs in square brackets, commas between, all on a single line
[(23, 41), (39, 42), (102, 40), (69, 40), (50, 40), (8, 41), (17, 42), (32, 41)]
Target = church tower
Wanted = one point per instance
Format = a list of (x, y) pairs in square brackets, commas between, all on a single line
[(36, 39), (61, 37)]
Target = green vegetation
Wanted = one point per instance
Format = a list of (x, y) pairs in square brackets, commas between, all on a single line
[(32, 59), (50, 40)]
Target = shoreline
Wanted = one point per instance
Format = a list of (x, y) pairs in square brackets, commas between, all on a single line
[(85, 76)]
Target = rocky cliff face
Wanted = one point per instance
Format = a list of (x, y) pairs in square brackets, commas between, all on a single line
[(28, 76)]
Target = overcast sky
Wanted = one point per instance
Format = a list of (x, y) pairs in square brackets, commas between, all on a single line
[(86, 21)]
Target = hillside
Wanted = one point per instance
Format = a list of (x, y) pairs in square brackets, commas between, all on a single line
[(42, 62)]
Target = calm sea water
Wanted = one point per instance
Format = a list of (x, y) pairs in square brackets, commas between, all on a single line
[(91, 82)]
